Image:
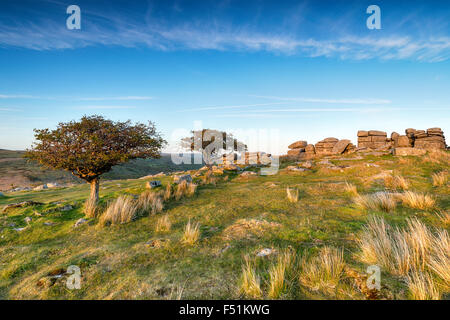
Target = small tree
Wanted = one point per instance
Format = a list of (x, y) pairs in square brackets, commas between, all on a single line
[(212, 144), (92, 146)]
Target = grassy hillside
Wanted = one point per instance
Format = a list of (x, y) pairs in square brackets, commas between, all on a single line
[(238, 218), (15, 171)]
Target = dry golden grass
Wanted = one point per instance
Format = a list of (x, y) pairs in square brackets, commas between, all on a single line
[(324, 271), (351, 189), (168, 192), (90, 208), (209, 178), (406, 161), (191, 233), (417, 200), (292, 195), (250, 282), (439, 260), (191, 189), (422, 287), (444, 216), (163, 224), (278, 274), (439, 179), (181, 190), (437, 156), (384, 201), (396, 182), (401, 250), (122, 210), (150, 202)]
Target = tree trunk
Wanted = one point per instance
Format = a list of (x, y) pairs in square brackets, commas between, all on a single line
[(94, 190)]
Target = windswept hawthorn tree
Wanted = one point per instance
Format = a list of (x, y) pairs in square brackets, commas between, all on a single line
[(92, 146), (212, 144)]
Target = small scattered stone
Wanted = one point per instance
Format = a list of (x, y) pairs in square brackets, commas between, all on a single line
[(80, 222), (66, 208), (28, 220), (265, 252), (153, 184)]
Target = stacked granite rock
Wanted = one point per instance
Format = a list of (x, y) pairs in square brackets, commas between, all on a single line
[(373, 139), (325, 146), (431, 139), (297, 148)]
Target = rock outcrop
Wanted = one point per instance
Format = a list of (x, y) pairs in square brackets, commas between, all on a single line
[(373, 139)]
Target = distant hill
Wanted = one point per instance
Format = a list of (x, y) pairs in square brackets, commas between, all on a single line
[(15, 171)]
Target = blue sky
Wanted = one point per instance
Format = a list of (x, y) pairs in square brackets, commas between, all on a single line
[(309, 69)]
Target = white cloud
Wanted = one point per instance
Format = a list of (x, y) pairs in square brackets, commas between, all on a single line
[(105, 107), (212, 35), (115, 98), (322, 100)]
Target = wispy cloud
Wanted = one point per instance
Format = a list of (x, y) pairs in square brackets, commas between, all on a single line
[(115, 98), (322, 100), (222, 35), (9, 109), (236, 106), (104, 107), (16, 96)]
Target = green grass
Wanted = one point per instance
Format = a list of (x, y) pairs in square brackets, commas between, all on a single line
[(15, 171), (116, 263)]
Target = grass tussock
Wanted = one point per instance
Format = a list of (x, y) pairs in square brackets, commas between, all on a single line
[(150, 202), (90, 208), (439, 178), (209, 178), (351, 189), (396, 182), (250, 282), (444, 216), (168, 192), (402, 251), (324, 271), (384, 201), (185, 189), (122, 210), (163, 224), (437, 156), (439, 260), (422, 287), (278, 274), (292, 195), (417, 200), (191, 233)]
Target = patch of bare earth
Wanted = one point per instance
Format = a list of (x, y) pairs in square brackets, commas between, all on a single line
[(248, 229)]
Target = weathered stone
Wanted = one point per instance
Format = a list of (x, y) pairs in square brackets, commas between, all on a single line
[(79, 222), (66, 208), (365, 139), (248, 173), (296, 152), (153, 184), (377, 133), (181, 178), (409, 152), (340, 146), (21, 205), (28, 220), (362, 133), (378, 138), (330, 139), (310, 148), (41, 187), (298, 144), (402, 142), (394, 135)]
